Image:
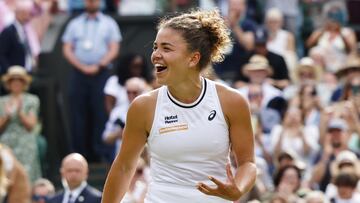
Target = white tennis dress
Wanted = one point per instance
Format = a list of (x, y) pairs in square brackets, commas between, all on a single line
[(187, 143)]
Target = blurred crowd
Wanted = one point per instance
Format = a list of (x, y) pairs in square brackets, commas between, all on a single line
[(296, 62)]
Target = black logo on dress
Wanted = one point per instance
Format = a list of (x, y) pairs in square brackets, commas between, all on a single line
[(171, 119), (212, 115)]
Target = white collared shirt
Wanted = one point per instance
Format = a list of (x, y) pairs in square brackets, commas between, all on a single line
[(74, 193)]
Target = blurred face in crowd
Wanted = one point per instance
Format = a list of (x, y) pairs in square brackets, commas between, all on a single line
[(237, 6), (337, 137), (291, 179), (74, 170), (92, 6), (273, 24), (292, 117), (345, 192), (257, 76), (16, 85), (40, 194), (135, 87), (23, 11)]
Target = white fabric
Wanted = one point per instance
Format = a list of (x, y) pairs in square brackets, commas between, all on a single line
[(278, 45), (294, 144), (118, 112), (335, 51), (186, 145), (113, 88), (137, 7)]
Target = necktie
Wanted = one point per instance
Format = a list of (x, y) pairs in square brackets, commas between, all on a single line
[(28, 53), (70, 200)]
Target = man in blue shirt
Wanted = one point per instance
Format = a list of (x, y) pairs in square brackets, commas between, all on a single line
[(90, 43)]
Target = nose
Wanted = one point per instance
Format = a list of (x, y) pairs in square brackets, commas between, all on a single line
[(155, 55)]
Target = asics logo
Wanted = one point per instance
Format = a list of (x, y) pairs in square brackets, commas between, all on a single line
[(212, 115)]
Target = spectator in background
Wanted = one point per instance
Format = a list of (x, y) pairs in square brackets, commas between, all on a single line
[(345, 162), (14, 181), (258, 71), (19, 120), (291, 12), (19, 44), (113, 131), (242, 30), (292, 136), (337, 41), (334, 142), (129, 65), (90, 43), (346, 188), (42, 189), (280, 77), (6, 13), (74, 173), (280, 41), (287, 183)]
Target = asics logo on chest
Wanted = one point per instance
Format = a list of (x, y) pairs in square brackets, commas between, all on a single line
[(212, 115)]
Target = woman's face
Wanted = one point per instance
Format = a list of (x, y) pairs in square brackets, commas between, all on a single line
[(170, 57), (291, 178), (16, 85), (273, 24)]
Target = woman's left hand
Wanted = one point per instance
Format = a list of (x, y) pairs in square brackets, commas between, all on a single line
[(228, 190)]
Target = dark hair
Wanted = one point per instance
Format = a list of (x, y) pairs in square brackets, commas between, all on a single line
[(123, 71), (278, 176), (346, 179), (204, 31)]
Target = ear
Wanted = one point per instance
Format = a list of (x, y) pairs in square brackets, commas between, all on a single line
[(194, 59)]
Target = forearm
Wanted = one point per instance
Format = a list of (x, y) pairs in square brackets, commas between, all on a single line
[(71, 58), (243, 38), (3, 122), (245, 177), (110, 55), (319, 171), (117, 182), (29, 121)]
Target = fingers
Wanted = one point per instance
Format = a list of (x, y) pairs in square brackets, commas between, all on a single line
[(207, 190), (217, 182)]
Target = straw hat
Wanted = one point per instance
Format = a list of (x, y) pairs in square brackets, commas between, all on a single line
[(307, 63), (345, 157), (352, 64), (18, 72), (257, 62)]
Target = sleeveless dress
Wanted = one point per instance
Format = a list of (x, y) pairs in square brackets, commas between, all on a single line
[(187, 143)]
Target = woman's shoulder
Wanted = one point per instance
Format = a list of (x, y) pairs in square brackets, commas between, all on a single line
[(226, 92)]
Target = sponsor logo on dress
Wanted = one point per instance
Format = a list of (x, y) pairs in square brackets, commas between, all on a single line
[(171, 119), (173, 128), (212, 115)]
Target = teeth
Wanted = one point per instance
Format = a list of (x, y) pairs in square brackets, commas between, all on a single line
[(158, 65)]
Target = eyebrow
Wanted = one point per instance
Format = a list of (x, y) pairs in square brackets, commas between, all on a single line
[(164, 44)]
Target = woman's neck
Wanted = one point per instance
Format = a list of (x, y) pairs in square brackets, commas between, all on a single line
[(16, 95), (187, 91)]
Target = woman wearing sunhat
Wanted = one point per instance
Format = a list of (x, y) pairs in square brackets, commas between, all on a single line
[(19, 119)]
